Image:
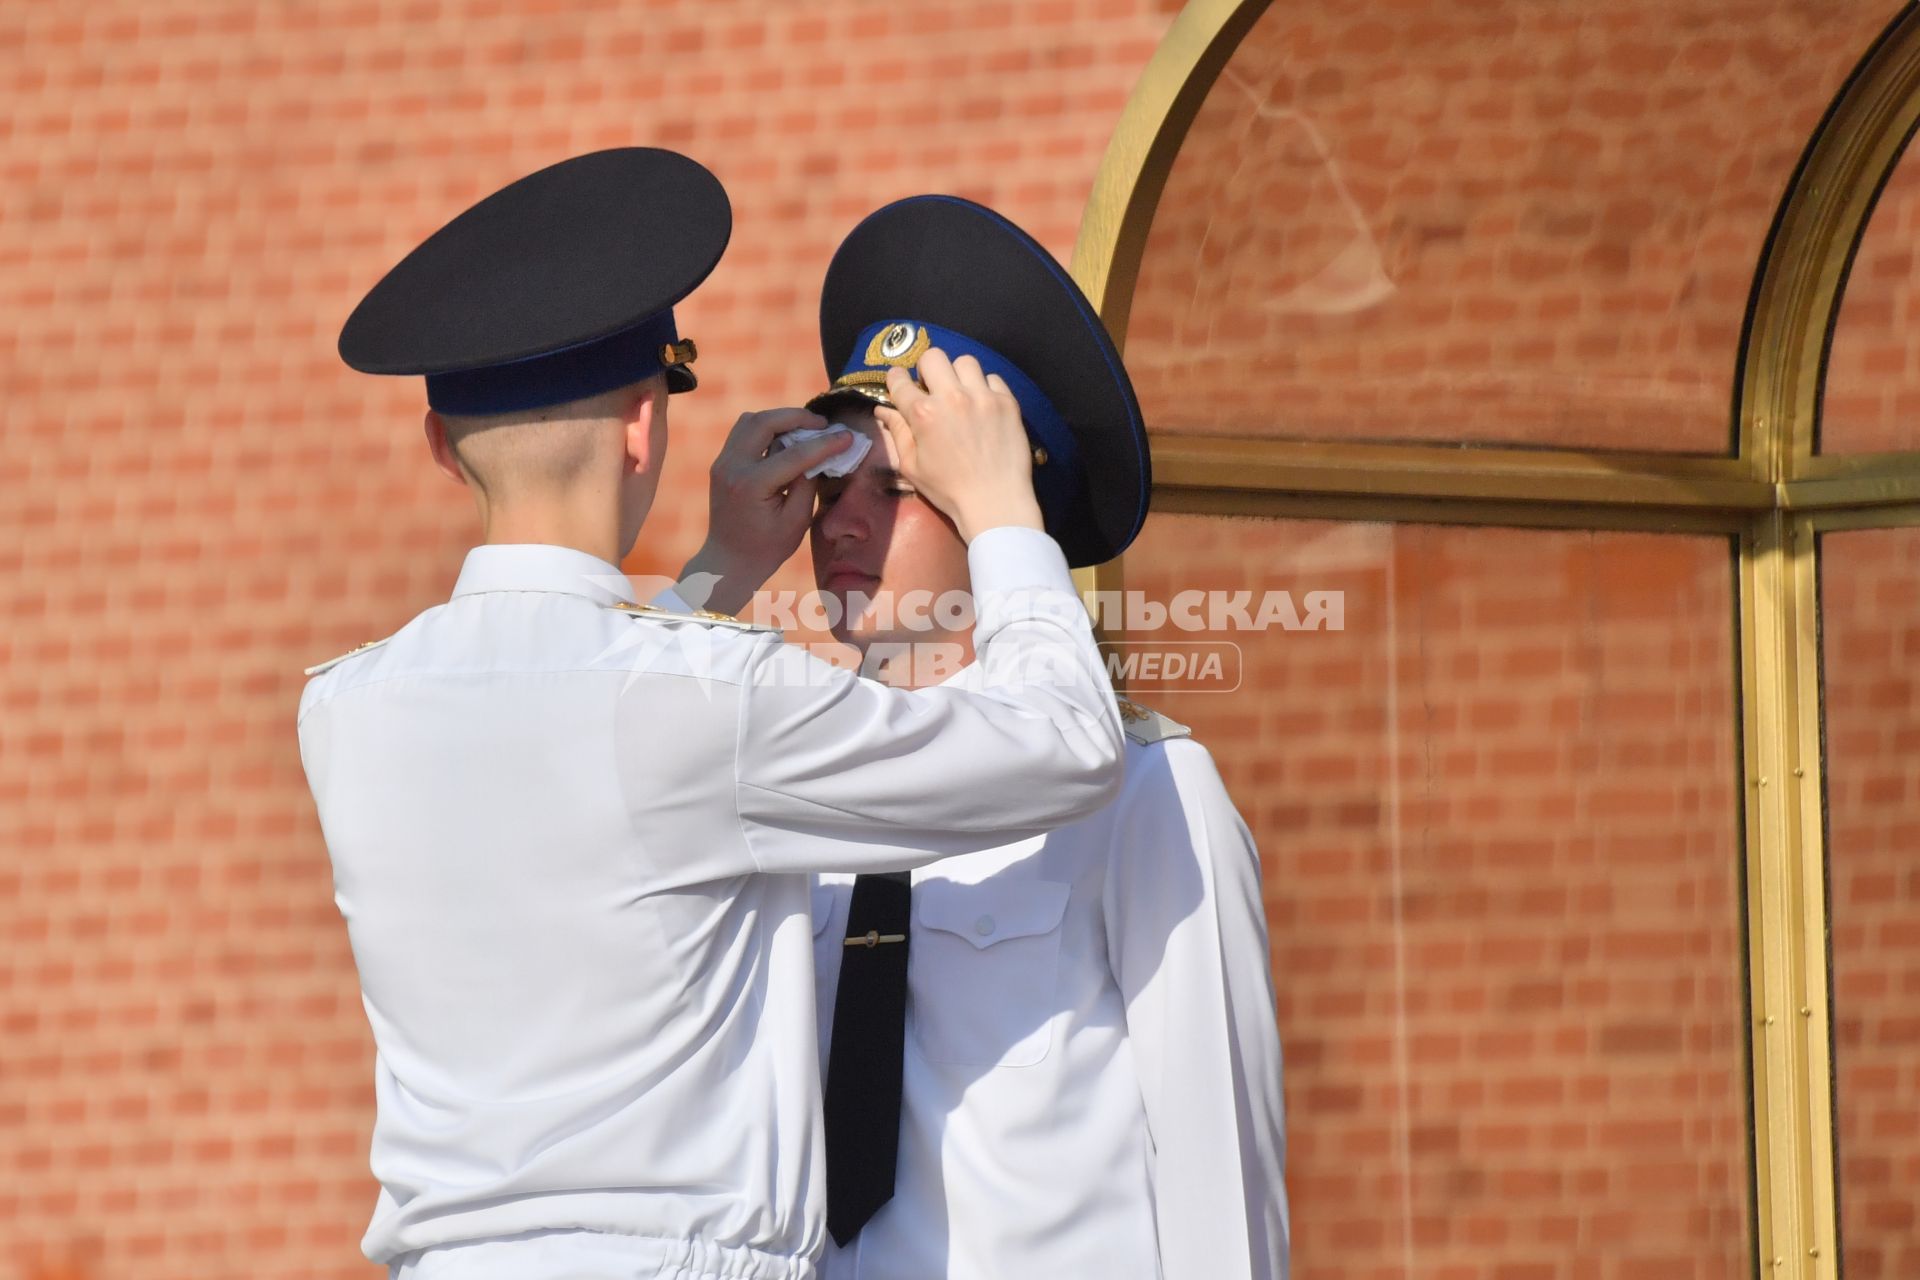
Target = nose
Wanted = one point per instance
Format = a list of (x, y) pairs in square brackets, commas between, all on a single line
[(845, 518)]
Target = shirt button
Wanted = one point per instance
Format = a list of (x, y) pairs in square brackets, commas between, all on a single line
[(983, 926)]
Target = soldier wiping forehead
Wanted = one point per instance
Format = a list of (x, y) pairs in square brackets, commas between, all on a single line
[(566, 826), (1088, 1083)]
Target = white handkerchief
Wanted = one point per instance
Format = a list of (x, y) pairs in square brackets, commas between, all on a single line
[(841, 463)]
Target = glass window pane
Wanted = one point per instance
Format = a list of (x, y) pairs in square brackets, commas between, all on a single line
[(1482, 220), (1498, 819), (1870, 638), (1872, 391)]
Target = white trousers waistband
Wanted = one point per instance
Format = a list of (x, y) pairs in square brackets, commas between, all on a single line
[(596, 1255)]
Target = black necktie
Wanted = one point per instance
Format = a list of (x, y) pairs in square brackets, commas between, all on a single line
[(865, 1054)]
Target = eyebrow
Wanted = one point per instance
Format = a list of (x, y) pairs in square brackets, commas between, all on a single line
[(881, 475)]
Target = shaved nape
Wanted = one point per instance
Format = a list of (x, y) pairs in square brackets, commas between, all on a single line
[(544, 450)]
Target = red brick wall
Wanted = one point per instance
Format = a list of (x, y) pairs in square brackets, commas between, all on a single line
[(1873, 372), (197, 500), (1498, 817), (1489, 220), (1870, 629), (1497, 811)]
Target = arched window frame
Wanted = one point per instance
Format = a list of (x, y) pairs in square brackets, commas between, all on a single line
[(1774, 498)]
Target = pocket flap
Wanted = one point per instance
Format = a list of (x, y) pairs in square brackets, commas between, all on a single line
[(992, 911)]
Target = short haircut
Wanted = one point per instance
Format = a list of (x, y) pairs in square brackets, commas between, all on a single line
[(548, 448)]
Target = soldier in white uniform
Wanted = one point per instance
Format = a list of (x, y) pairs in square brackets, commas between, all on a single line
[(1090, 1076), (571, 833)]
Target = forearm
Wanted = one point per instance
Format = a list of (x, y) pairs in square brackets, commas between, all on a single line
[(899, 778)]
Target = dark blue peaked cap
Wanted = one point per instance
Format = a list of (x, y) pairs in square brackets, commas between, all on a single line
[(557, 287), (939, 271)]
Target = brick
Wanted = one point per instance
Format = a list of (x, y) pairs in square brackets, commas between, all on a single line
[(1511, 909), (1876, 925), (1529, 767), (133, 903)]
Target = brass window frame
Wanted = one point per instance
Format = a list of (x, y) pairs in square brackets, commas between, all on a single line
[(1774, 496)]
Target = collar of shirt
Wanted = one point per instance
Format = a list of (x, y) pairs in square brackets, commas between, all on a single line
[(537, 567)]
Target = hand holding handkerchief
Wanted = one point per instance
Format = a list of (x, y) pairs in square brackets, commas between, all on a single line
[(841, 463)]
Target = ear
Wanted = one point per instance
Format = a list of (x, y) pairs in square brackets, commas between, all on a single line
[(442, 448), (646, 428)]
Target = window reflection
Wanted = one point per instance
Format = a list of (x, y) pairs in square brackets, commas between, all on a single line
[(1870, 637), (1872, 387), (1497, 813), (1486, 220)]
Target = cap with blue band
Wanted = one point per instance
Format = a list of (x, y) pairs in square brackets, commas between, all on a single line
[(942, 272), (1057, 476)]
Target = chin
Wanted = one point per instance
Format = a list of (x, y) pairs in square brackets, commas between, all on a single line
[(845, 629), (855, 633), (856, 630)]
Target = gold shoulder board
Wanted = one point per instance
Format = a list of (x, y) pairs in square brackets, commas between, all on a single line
[(705, 617), (331, 663), (1146, 726)]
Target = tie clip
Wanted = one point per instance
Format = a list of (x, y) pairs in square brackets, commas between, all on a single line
[(873, 938)]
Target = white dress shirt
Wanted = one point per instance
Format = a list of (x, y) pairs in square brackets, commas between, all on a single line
[(570, 846), (1092, 1078)]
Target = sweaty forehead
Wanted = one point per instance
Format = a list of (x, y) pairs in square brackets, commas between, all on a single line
[(883, 456)]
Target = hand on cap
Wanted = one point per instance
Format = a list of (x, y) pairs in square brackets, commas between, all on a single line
[(961, 445), (759, 502)]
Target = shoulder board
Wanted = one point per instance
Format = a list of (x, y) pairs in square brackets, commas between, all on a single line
[(1147, 726), (705, 617), (331, 663)]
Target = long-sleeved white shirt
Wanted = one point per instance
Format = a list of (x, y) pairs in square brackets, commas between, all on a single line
[(569, 843), (1092, 1077)]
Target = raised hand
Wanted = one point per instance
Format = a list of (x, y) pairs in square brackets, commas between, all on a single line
[(759, 500), (961, 445)]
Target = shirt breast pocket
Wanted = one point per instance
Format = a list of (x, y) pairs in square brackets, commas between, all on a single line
[(984, 964)]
